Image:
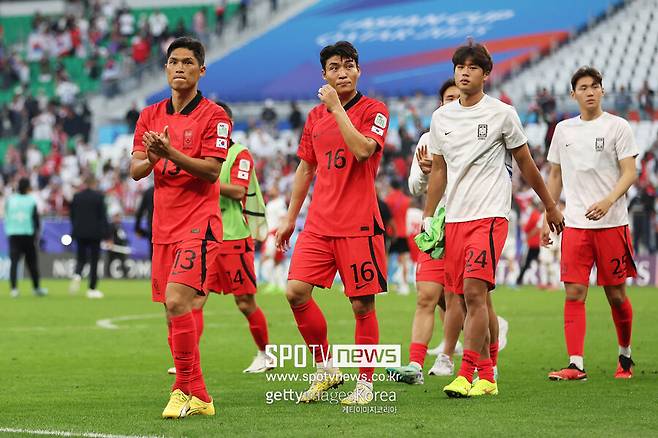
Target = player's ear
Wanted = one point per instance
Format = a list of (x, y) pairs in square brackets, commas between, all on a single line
[(572, 93), (202, 70), (324, 74)]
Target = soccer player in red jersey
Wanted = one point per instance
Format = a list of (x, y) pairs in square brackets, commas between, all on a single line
[(183, 140), (341, 146), (593, 156), (473, 140)]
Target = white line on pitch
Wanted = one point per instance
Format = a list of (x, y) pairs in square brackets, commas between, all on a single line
[(73, 434)]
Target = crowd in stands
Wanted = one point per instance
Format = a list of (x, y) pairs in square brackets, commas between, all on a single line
[(46, 133)]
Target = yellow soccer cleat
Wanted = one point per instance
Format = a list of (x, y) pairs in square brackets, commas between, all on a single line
[(323, 381), (483, 387), (458, 388), (199, 407), (362, 395), (177, 406)]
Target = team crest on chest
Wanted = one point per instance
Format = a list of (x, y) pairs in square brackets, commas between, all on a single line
[(187, 139), (599, 144), (483, 128)]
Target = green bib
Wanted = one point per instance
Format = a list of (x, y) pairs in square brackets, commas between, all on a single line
[(19, 212), (234, 217)]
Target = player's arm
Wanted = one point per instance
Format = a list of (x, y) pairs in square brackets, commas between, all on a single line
[(361, 146), (421, 167), (626, 179), (140, 165), (205, 168), (436, 185), (301, 183), (233, 191), (532, 176), (555, 189)]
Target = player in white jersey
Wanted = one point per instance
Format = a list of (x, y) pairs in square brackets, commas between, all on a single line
[(429, 279), (593, 157), (472, 141)]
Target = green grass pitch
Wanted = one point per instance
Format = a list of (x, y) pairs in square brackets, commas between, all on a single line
[(60, 371)]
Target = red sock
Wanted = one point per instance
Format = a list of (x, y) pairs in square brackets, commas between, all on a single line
[(623, 318), (493, 353), (169, 340), (258, 328), (469, 362), (198, 320), (417, 353), (485, 369), (313, 328), (183, 336), (198, 384), (575, 323), (366, 332)]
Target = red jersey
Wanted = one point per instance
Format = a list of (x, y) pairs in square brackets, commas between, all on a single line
[(344, 202), (186, 207), (398, 203), (532, 228)]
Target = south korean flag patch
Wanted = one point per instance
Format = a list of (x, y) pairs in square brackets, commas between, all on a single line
[(221, 143)]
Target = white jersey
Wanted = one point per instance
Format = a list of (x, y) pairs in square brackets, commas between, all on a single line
[(589, 153), (476, 142), (275, 211)]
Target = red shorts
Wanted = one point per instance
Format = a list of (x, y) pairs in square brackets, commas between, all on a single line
[(189, 262), (610, 248), (473, 249), (235, 273), (429, 269), (360, 261)]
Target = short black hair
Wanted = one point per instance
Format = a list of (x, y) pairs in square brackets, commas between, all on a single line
[(189, 43), (586, 71), (447, 84), (476, 53), (23, 185), (344, 49), (226, 108)]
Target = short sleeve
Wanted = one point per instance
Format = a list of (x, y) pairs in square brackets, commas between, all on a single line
[(434, 145), (217, 135), (241, 170), (513, 134), (374, 123), (305, 150), (625, 145), (140, 129), (554, 148)]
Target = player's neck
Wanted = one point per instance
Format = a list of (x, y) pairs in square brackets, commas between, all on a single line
[(591, 115), (180, 99), (344, 98), (467, 100)]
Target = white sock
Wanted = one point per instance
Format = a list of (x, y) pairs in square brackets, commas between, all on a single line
[(327, 365), (625, 351), (578, 361)]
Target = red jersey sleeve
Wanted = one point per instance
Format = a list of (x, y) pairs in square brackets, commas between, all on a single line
[(241, 170), (140, 129), (217, 135), (374, 123), (305, 151)]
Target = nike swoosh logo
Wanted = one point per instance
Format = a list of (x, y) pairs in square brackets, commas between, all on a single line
[(567, 145), (446, 133), (361, 287)]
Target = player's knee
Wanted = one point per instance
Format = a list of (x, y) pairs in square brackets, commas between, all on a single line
[(363, 305), (616, 295), (426, 300), (176, 305), (246, 303), (576, 292), (297, 294)]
